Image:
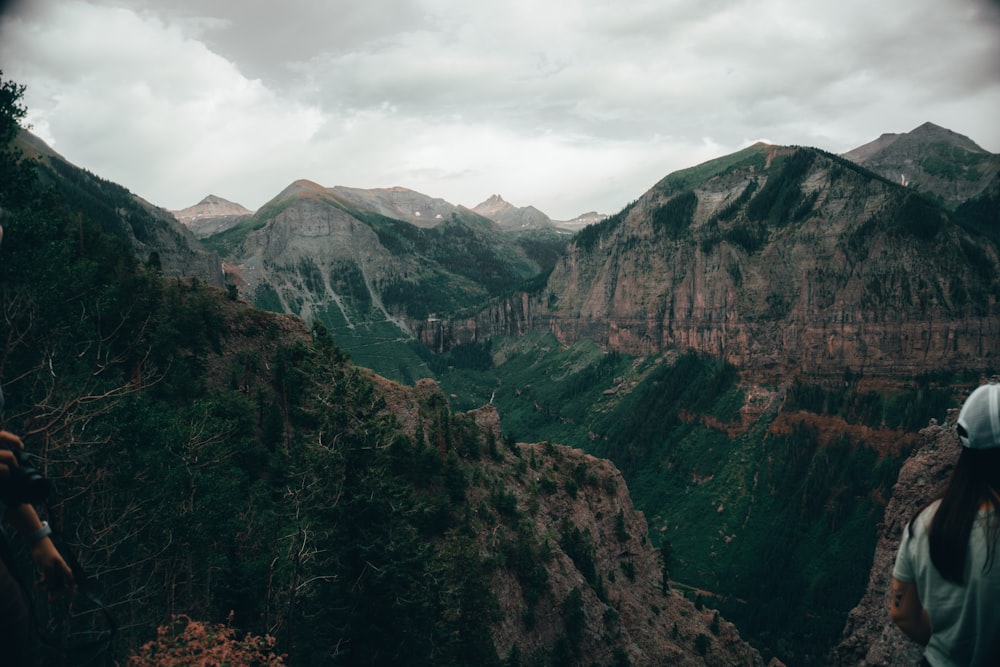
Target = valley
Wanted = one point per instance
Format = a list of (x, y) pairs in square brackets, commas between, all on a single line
[(755, 342), (669, 435)]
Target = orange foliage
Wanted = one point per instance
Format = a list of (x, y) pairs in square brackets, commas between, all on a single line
[(185, 643)]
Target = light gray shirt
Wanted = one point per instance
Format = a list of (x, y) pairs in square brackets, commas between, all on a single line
[(965, 620)]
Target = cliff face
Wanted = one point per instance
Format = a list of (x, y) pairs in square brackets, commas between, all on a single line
[(626, 612), (855, 273), (310, 256), (775, 259), (870, 638)]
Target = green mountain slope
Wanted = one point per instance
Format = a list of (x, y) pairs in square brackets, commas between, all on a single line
[(154, 234), (333, 256)]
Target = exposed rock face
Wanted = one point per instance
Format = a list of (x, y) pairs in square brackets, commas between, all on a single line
[(350, 258), (312, 255), (778, 260), (933, 160), (851, 284), (510, 217), (212, 215), (398, 203), (513, 316), (636, 616), (870, 638), (179, 252), (580, 221)]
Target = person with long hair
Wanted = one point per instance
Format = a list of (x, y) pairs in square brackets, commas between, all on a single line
[(946, 582)]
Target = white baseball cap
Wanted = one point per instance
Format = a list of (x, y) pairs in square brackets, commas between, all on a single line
[(979, 419)]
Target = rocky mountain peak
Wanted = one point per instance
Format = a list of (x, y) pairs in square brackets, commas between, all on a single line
[(495, 204), (931, 132), (774, 249), (212, 215), (932, 159), (510, 217), (212, 206)]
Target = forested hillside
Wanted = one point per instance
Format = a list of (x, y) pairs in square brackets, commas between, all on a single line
[(231, 465)]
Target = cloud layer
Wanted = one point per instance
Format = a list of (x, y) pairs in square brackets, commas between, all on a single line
[(571, 105)]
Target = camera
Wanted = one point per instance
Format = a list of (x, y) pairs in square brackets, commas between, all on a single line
[(25, 484)]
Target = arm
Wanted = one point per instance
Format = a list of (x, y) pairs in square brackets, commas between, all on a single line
[(907, 612), (56, 575)]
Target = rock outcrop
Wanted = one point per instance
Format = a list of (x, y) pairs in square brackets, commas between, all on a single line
[(870, 638)]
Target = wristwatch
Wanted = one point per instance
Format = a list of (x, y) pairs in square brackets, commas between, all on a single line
[(40, 534)]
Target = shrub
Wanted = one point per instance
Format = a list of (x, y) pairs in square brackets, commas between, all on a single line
[(185, 641), (702, 643)]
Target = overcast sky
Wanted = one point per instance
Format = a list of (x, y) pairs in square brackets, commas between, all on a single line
[(567, 105)]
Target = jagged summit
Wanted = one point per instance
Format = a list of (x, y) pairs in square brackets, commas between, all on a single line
[(510, 217), (494, 203)]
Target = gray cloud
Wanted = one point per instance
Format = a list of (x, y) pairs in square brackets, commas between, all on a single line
[(569, 105)]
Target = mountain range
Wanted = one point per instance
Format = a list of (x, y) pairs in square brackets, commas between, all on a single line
[(772, 258), (755, 342), (213, 214)]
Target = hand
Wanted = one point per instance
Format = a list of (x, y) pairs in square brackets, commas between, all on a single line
[(55, 575), (8, 441)]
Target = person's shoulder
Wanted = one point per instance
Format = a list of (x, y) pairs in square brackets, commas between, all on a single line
[(923, 518)]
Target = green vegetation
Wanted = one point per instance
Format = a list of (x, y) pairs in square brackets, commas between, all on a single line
[(951, 162), (214, 459), (282, 491), (779, 526), (674, 217), (919, 217), (228, 241), (456, 247), (908, 411), (781, 200), (374, 343), (591, 235), (544, 247), (750, 236), (687, 179)]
